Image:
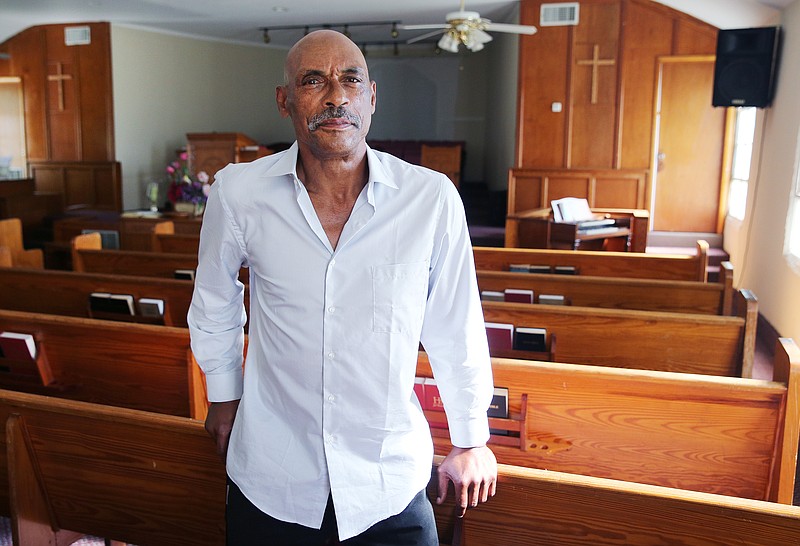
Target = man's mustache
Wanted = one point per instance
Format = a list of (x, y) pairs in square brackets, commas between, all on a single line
[(338, 112)]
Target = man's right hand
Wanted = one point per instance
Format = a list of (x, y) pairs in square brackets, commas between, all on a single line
[(219, 423)]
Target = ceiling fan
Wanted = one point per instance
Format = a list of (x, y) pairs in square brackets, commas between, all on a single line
[(465, 27)]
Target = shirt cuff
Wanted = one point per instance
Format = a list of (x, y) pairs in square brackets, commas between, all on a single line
[(224, 387), (469, 432)]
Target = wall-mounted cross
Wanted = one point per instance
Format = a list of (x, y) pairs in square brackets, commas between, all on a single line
[(596, 62), (59, 77)]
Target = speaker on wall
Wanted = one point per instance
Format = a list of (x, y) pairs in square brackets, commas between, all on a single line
[(744, 72)]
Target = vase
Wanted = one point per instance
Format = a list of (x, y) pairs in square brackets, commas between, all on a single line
[(187, 207)]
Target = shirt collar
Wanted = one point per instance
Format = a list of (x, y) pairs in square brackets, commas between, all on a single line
[(287, 164)]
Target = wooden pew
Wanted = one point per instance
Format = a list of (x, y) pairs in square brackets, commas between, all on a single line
[(89, 257), (155, 479), (721, 435), (13, 247), (137, 366), (538, 507), (76, 468), (67, 293), (626, 338), (711, 298), (165, 239), (602, 264)]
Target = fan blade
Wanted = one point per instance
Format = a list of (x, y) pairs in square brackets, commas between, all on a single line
[(422, 27), (516, 29), (423, 36)]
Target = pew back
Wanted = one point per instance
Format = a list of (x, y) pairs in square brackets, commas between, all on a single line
[(136, 366), (534, 507), (622, 293), (602, 264), (67, 293), (654, 340), (126, 475), (728, 436)]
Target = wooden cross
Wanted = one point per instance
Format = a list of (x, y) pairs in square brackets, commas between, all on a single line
[(596, 62), (59, 77)]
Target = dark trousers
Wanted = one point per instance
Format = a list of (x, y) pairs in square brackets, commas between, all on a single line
[(249, 526)]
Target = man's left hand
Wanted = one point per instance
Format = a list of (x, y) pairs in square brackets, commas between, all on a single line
[(473, 472)]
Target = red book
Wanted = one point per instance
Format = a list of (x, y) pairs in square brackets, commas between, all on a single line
[(17, 346), (433, 402), (500, 336), (518, 295)]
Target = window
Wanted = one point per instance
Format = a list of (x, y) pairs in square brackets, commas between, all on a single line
[(745, 128)]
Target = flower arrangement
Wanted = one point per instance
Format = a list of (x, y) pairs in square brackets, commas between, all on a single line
[(185, 188)]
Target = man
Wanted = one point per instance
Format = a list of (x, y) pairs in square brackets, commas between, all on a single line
[(355, 258)]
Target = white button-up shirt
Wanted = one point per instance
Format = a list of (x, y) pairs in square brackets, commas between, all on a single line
[(327, 400)]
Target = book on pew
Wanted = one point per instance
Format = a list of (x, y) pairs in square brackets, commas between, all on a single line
[(552, 299), (433, 401), (151, 307), (530, 339), (565, 270), (492, 295), (184, 274), (545, 269), (103, 302), (498, 407), (518, 295), (17, 346), (519, 268), (500, 336)]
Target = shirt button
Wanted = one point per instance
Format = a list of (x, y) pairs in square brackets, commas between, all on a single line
[(331, 355), (333, 262), (331, 309), (331, 398)]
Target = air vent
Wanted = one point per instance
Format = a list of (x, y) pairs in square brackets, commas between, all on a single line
[(77, 36), (561, 14)]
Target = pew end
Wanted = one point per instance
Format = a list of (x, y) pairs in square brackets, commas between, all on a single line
[(786, 369), (14, 252)]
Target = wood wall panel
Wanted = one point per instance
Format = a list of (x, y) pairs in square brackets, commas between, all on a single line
[(63, 108), (694, 38), (543, 80), (94, 185), (96, 98), (594, 88), (646, 35), (27, 50)]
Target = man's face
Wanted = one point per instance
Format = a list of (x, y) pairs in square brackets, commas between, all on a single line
[(328, 95)]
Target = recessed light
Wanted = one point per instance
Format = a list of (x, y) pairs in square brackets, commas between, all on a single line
[(280, 9)]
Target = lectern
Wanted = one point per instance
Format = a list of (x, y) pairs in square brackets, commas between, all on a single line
[(210, 152)]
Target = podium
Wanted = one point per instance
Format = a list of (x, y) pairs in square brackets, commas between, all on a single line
[(210, 152)]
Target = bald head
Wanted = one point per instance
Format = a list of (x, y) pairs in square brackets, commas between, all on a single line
[(320, 42)]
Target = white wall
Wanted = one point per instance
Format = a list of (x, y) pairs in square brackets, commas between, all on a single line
[(765, 270), (166, 86)]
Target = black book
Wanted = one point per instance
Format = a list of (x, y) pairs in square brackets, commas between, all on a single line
[(103, 302), (499, 408), (530, 339)]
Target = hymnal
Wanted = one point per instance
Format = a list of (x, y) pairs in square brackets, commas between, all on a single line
[(565, 270), (500, 336), (151, 307), (17, 346), (433, 401), (419, 390), (539, 269), (572, 209), (518, 295), (552, 299), (104, 302), (519, 268), (492, 295), (498, 407), (530, 339), (184, 274)]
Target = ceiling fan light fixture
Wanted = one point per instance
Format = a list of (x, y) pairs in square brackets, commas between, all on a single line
[(449, 42)]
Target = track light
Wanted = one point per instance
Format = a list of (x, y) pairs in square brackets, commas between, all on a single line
[(395, 33), (266, 36)]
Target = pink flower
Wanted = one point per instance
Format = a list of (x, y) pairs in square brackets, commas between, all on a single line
[(170, 169), (202, 176), (184, 156)]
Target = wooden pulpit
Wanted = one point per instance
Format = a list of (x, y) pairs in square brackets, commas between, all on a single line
[(210, 152)]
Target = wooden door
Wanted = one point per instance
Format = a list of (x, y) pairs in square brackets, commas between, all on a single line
[(687, 158)]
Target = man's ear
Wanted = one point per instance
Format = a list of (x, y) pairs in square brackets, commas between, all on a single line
[(373, 88), (281, 96)]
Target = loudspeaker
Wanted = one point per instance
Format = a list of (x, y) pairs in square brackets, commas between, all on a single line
[(744, 72)]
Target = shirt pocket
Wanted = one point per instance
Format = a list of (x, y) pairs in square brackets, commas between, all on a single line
[(399, 295)]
